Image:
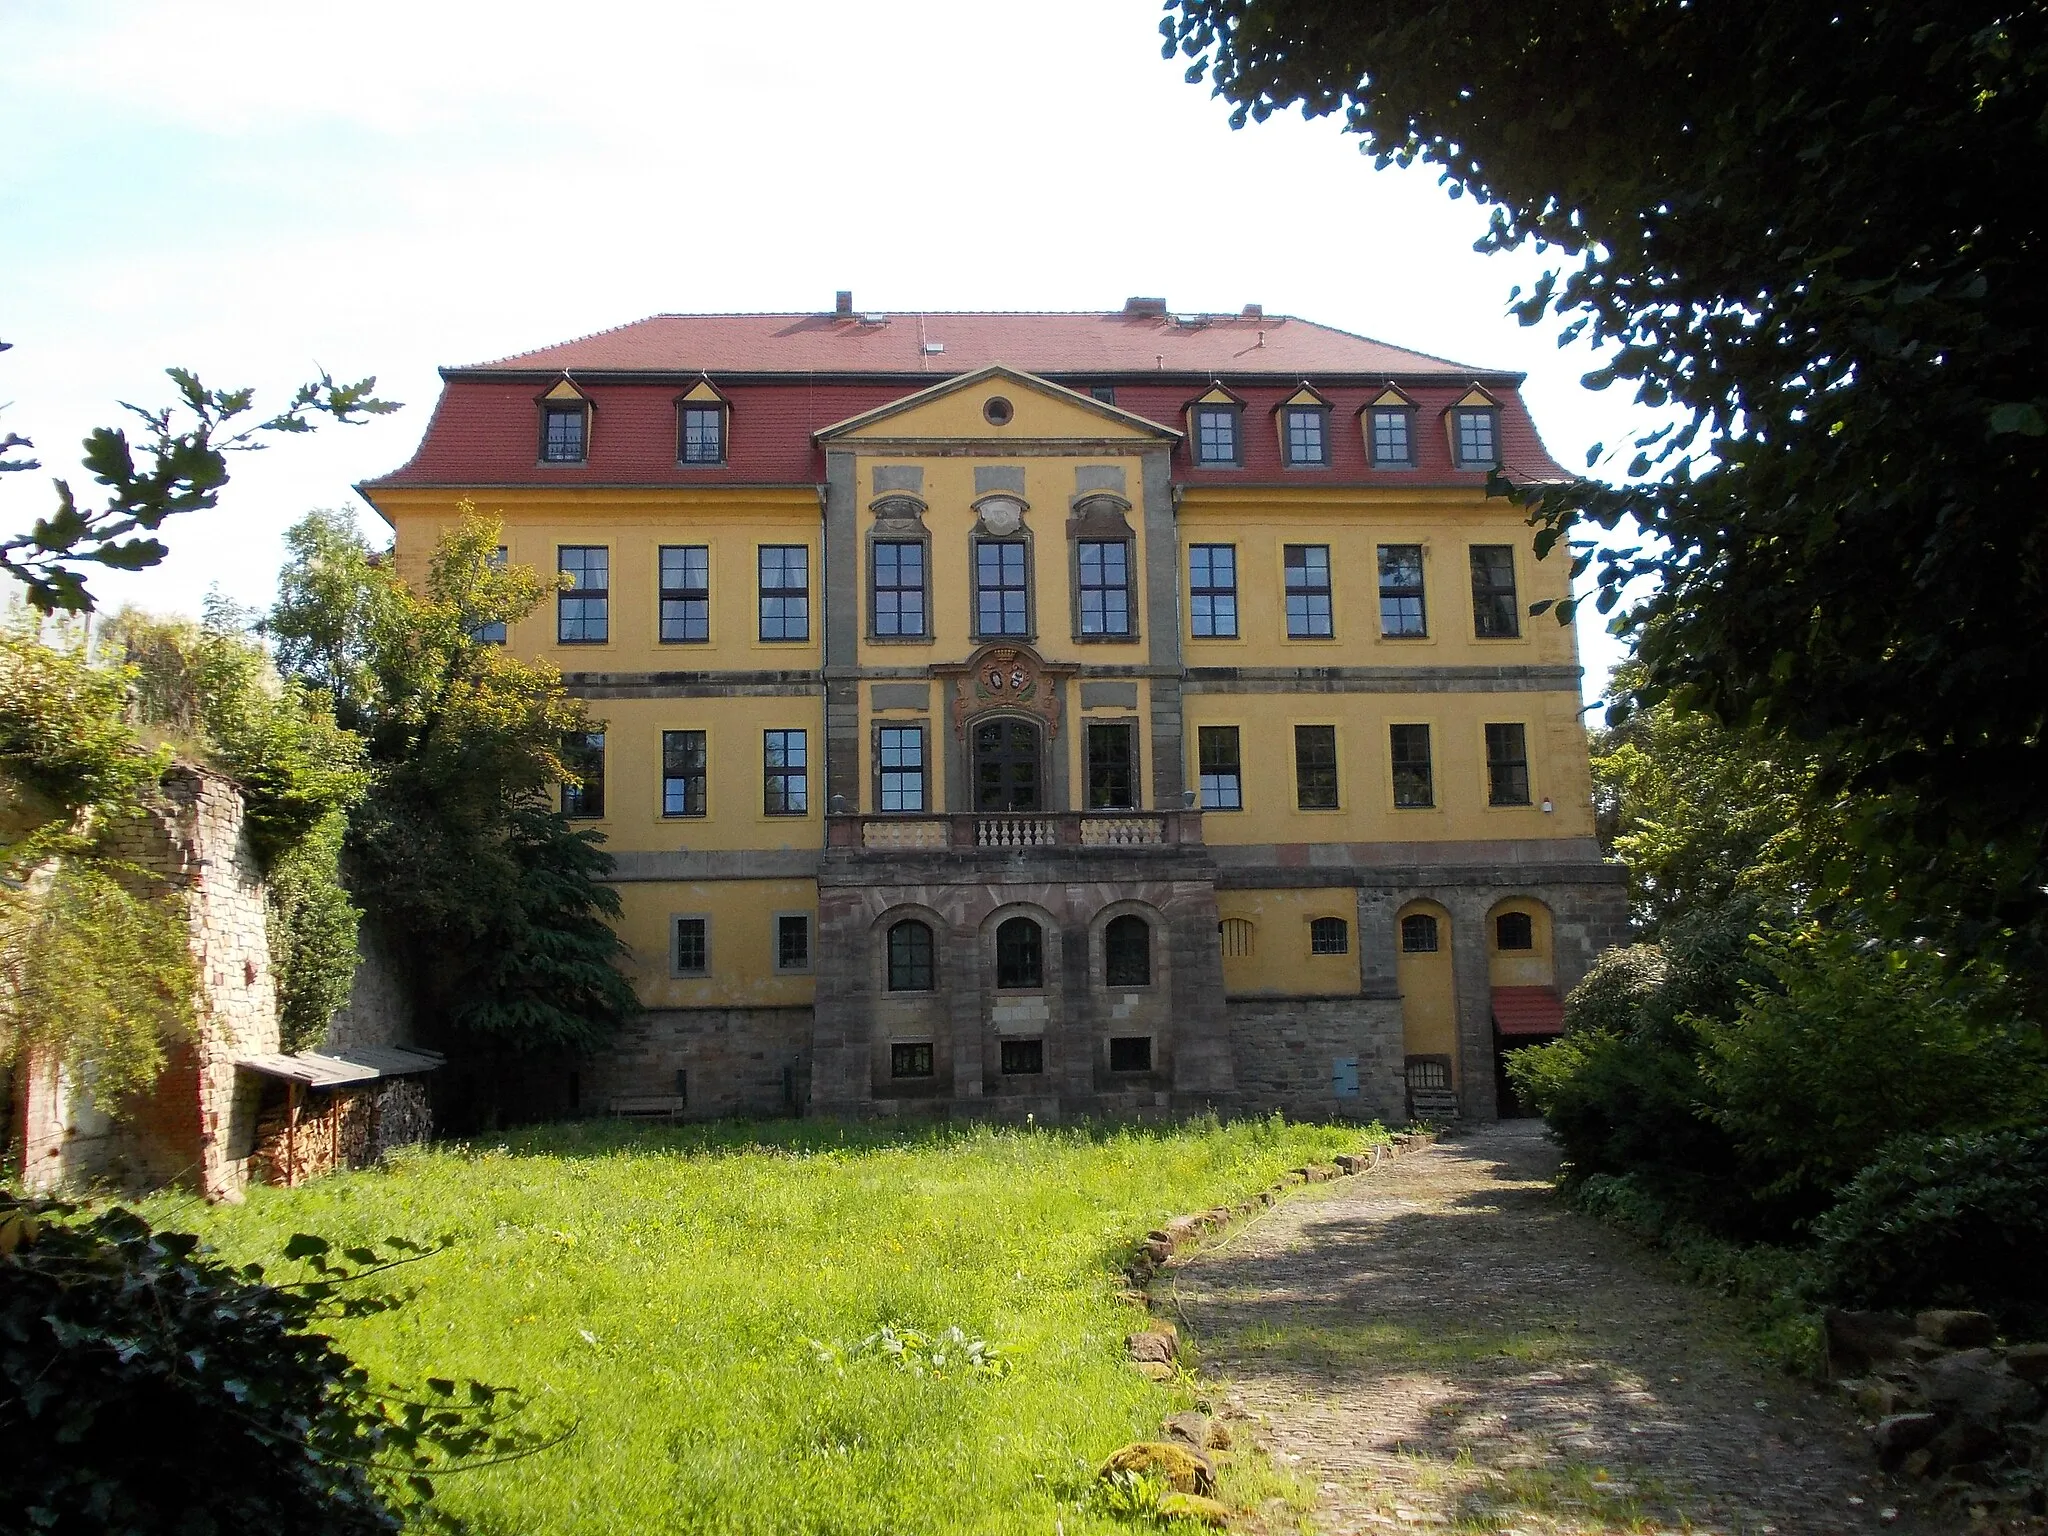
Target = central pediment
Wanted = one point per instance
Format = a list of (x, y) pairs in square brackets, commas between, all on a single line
[(1000, 406)]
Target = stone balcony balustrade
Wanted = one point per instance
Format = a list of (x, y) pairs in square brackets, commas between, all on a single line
[(969, 832)]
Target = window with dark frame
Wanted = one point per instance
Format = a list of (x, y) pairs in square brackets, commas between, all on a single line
[(1476, 438), (910, 1059), (583, 754), (1315, 767), (1221, 770), (1402, 614), (1393, 442), (683, 773), (692, 946), (785, 774), (1106, 393), (493, 633), (1212, 591), (1105, 577), (792, 941), (1020, 954), (1418, 934), (1001, 596), (785, 592), (1112, 771), (563, 438), (583, 610), (1216, 434), (1507, 765), (685, 593), (1414, 780), (1023, 1058), (1127, 952), (911, 967), (1130, 1053), (897, 594), (1329, 936), (1514, 930), (1308, 436), (1308, 592), (703, 434), (900, 767), (1495, 613)]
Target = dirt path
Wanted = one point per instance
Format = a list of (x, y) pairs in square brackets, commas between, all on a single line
[(1442, 1343)]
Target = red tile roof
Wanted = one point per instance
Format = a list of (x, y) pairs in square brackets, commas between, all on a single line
[(1524, 1011), (1118, 343)]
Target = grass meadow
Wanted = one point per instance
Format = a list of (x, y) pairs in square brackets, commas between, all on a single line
[(661, 1288)]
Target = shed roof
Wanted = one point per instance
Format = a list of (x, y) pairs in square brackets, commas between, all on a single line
[(1519, 1012), (341, 1068)]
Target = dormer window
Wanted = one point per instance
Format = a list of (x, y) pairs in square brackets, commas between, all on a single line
[(703, 434), (1393, 445), (1308, 436), (1475, 431), (564, 434), (1216, 434)]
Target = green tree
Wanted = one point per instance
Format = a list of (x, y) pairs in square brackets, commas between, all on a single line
[(1794, 227)]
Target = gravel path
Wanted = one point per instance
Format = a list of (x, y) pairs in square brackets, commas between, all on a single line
[(1442, 1343)]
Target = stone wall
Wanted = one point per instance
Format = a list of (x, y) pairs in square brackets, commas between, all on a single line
[(379, 1009), (1289, 1053), (740, 1061)]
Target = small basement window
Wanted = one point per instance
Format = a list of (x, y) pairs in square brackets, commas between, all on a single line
[(1514, 930), (1023, 1058), (911, 1060), (1329, 936), (1130, 1053), (1418, 934)]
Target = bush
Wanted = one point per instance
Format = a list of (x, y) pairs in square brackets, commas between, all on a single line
[(1952, 1220), (1615, 990)]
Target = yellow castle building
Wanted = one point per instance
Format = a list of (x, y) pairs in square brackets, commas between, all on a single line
[(1109, 713)]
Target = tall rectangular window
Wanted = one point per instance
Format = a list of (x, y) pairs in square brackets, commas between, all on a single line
[(1105, 587), (692, 955), (583, 755), (1000, 595), (792, 941), (786, 786), (1307, 439), (901, 767), (1308, 591), (1402, 615), (1212, 591), (1507, 765), (1221, 770), (785, 592), (1392, 445), (1216, 434), (703, 434), (1477, 448), (1495, 614), (493, 633), (1112, 771), (1414, 782), (1315, 767), (897, 598), (682, 773), (685, 593), (562, 435), (583, 611)]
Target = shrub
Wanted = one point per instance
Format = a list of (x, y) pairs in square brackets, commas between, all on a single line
[(1615, 990), (1943, 1221)]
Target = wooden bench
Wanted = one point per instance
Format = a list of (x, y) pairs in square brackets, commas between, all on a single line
[(647, 1106)]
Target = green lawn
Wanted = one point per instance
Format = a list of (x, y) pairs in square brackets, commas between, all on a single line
[(662, 1288)]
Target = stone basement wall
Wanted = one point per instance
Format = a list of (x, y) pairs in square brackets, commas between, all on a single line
[(379, 1007), (735, 1057), (1287, 1051)]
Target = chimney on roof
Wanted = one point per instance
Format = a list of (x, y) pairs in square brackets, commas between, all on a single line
[(1145, 309), (842, 305), (1255, 311)]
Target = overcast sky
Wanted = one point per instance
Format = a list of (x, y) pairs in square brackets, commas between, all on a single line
[(257, 191)]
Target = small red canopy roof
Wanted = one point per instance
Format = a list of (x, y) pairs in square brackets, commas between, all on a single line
[(1522, 1011)]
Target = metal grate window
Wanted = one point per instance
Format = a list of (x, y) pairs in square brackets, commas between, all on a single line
[(1212, 591), (1222, 772), (682, 773), (1105, 587), (1329, 936), (785, 592), (901, 767), (1001, 606), (583, 609), (1402, 615), (897, 598), (693, 946), (1414, 782), (783, 767), (703, 434), (1216, 434), (1315, 767), (562, 435), (1514, 930), (1307, 438), (792, 941), (1507, 765), (1392, 444), (1308, 591), (910, 957), (685, 593), (1418, 934), (1476, 445), (1495, 614), (583, 754), (1234, 937), (1023, 1058), (910, 1060)]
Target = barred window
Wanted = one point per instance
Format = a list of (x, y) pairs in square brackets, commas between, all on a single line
[(1402, 615), (1477, 448), (1392, 443), (1112, 778), (682, 773), (1222, 774), (1001, 605), (1127, 952), (562, 434), (703, 434), (901, 767), (1212, 591), (792, 941), (1216, 434), (1234, 937), (787, 786), (685, 593), (910, 957), (1418, 934), (1315, 767), (1307, 437), (1507, 765), (1414, 782), (1308, 591), (898, 592), (583, 608), (1020, 954), (1105, 586), (1514, 930), (1329, 936), (908, 1059), (1495, 614), (692, 946), (1023, 1058), (785, 592), (583, 754)]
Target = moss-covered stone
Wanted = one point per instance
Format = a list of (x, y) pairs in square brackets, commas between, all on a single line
[(1175, 1465)]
